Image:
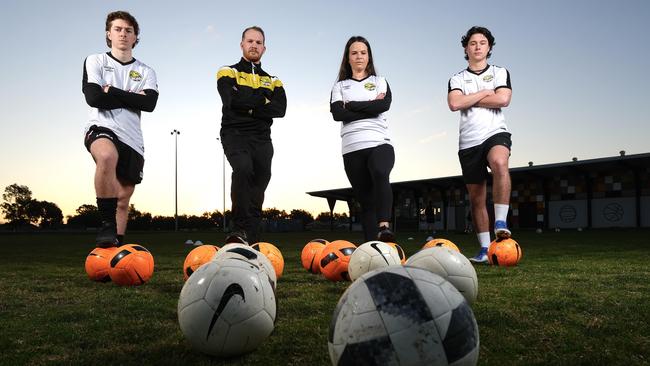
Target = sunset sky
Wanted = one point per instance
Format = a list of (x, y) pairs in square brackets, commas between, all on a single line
[(578, 71)]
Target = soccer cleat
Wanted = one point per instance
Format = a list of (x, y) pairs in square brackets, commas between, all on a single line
[(501, 230), (481, 257), (236, 237), (385, 235), (107, 235)]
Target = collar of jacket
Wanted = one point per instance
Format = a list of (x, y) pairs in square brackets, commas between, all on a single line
[(247, 66)]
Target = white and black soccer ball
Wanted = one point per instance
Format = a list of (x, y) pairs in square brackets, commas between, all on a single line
[(227, 308), (403, 316), (450, 265), (246, 253), (370, 256)]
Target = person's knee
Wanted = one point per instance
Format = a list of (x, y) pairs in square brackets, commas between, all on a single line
[(105, 158), (242, 168), (499, 165)]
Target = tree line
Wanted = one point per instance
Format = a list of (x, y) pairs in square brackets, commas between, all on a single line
[(22, 211)]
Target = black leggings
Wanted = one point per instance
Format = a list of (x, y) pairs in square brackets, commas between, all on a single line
[(369, 171)]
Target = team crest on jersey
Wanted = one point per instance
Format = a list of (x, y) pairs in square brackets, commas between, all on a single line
[(265, 81), (370, 86), (488, 78), (135, 76)]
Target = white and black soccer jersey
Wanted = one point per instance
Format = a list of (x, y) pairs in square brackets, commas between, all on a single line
[(119, 110), (364, 118), (477, 124)]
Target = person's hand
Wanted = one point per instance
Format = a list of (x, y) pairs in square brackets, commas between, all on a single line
[(105, 88), (141, 92), (380, 96)]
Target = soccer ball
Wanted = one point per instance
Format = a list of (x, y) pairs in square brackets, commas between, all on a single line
[(441, 243), (403, 315), (450, 265), (311, 253), (131, 265), (273, 254), (400, 252), (227, 307), (371, 255), (97, 264), (334, 260), (246, 253), (506, 252), (198, 257)]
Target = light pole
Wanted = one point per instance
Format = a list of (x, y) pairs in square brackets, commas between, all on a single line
[(176, 133), (223, 185)]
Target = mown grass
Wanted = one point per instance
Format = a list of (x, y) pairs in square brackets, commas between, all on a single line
[(577, 298)]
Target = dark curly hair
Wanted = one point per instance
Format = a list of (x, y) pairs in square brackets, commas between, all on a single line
[(482, 30), (125, 16)]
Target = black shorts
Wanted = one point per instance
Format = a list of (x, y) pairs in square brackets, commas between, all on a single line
[(474, 162), (129, 163)]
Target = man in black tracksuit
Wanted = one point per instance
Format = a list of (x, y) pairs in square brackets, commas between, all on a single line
[(251, 99)]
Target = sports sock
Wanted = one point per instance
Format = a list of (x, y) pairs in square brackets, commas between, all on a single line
[(120, 239), (501, 212), (484, 239), (107, 209)]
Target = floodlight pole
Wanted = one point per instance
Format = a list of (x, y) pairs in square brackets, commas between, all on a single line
[(176, 133), (223, 185)]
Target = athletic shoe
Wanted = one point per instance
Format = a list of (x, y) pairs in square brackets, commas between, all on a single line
[(385, 235), (107, 235), (481, 257), (501, 230), (236, 237)]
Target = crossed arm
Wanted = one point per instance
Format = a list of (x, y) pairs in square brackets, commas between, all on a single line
[(486, 98), (110, 97), (257, 102), (353, 111)]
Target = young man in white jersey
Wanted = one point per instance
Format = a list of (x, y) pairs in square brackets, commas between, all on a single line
[(479, 93), (117, 88)]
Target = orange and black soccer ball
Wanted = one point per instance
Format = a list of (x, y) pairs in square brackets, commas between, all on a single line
[(311, 253), (131, 265), (273, 254), (334, 260), (441, 243), (505, 253), (97, 264), (198, 257), (400, 252)]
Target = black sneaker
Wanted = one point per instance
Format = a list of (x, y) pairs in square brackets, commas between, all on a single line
[(236, 237), (107, 235), (385, 235)]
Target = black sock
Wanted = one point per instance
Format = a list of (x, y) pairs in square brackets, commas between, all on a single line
[(120, 240), (107, 208)]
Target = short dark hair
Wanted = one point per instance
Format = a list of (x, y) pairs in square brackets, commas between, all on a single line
[(482, 30), (127, 18), (345, 71), (255, 28)]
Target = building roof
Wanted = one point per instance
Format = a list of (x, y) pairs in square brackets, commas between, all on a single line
[(634, 162)]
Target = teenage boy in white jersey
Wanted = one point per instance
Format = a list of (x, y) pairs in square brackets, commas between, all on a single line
[(479, 93), (118, 88)]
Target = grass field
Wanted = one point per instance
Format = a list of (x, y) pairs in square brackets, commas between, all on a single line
[(576, 298)]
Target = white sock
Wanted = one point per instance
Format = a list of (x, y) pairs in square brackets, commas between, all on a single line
[(484, 239), (501, 212)]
